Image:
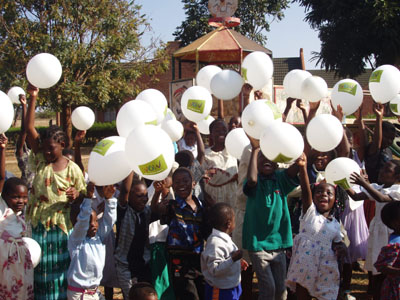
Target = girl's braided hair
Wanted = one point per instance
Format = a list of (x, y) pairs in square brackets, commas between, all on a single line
[(55, 133)]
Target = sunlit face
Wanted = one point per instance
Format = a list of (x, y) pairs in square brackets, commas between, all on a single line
[(387, 138), (138, 197), (52, 150), (322, 160), (93, 225), (234, 123), (190, 139), (218, 133), (17, 198), (264, 165), (324, 197), (182, 184)]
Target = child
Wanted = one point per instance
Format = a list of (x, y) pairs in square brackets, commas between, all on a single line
[(234, 122), (16, 276), (132, 253), (142, 291), (221, 259), (313, 269), (387, 191), (86, 245), (3, 146), (266, 228), (388, 262), (188, 142), (220, 167), (185, 241), (58, 181)]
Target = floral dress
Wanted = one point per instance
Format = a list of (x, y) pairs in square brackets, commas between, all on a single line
[(390, 256), (16, 274), (314, 264)]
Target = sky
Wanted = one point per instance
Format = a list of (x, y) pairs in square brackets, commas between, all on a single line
[(285, 38)]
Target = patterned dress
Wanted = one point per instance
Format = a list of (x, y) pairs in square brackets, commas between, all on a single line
[(48, 211), (390, 256), (314, 264), (16, 274)]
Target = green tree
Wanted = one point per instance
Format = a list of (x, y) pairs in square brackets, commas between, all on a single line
[(253, 16), (355, 34), (96, 41)]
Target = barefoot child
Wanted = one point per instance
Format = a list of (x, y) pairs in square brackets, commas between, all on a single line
[(388, 262), (16, 276), (86, 245), (221, 259), (313, 269)]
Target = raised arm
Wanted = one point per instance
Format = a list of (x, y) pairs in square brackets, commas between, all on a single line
[(110, 212), (360, 133), (125, 189), (343, 149), (80, 135), (3, 145), (200, 144), (302, 107), (82, 223), (22, 136), (306, 195), (252, 171), (33, 136), (377, 138), (375, 194), (285, 113)]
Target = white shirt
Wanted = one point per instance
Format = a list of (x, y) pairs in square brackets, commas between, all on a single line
[(217, 266)]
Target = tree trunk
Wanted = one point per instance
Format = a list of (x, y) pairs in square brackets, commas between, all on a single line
[(66, 123)]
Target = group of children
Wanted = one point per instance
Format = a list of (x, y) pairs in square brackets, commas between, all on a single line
[(201, 232)]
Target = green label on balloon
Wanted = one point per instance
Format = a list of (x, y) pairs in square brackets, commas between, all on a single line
[(343, 183), (282, 158), (102, 147), (348, 87), (275, 110), (196, 105), (244, 73), (165, 110), (376, 76), (394, 108), (156, 166), (154, 122), (206, 118)]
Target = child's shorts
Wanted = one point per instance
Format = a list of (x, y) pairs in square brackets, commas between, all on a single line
[(214, 293)]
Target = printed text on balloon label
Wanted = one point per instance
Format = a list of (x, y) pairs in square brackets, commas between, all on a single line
[(196, 105), (103, 146), (156, 166)]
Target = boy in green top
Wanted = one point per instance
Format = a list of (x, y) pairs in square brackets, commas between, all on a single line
[(267, 229)]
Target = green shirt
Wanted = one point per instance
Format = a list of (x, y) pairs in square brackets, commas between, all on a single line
[(267, 222)]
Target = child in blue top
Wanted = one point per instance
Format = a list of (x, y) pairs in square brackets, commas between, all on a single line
[(266, 228), (86, 245)]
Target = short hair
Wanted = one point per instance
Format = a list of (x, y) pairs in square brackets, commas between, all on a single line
[(11, 183), (390, 212), (136, 182), (216, 122), (184, 158), (141, 290), (388, 127), (55, 133), (220, 214), (182, 170), (397, 166)]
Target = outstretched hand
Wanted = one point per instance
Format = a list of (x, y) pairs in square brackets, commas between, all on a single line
[(3, 141), (302, 160), (32, 90), (109, 191), (379, 110), (22, 99), (338, 112), (358, 179)]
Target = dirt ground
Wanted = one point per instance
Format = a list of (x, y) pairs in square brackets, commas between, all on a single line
[(359, 281)]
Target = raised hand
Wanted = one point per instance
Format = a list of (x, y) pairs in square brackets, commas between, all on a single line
[(109, 191), (32, 90), (22, 99), (338, 112), (302, 160), (379, 110), (358, 179), (3, 141), (90, 190), (80, 135)]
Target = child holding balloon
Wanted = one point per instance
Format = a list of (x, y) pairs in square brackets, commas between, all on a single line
[(313, 269), (58, 182), (16, 276)]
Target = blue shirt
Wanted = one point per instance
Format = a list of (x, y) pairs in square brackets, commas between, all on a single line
[(88, 254)]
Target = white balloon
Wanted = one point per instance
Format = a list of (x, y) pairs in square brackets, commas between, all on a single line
[(257, 69), (108, 163), (384, 83), (293, 81), (281, 142), (151, 152), (204, 76), (174, 129), (82, 118), (14, 93), (395, 105), (169, 115), (236, 141), (204, 125), (275, 110), (6, 112), (157, 101), (132, 114), (34, 250), (324, 132), (44, 70), (314, 88), (196, 103), (338, 171), (348, 94), (226, 84), (255, 118)]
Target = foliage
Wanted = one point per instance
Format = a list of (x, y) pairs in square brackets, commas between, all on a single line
[(93, 39), (355, 33), (252, 13)]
